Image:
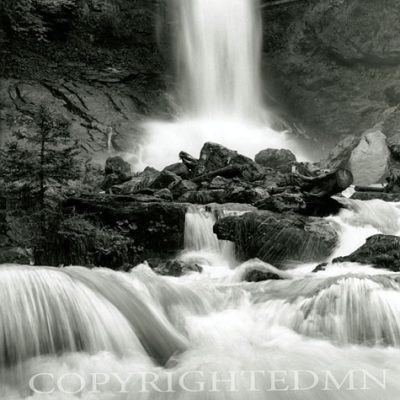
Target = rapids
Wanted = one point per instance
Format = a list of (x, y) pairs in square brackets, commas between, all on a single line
[(73, 326)]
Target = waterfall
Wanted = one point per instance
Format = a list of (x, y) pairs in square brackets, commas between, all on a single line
[(218, 46), (219, 54)]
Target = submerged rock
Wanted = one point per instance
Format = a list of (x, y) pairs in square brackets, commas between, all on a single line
[(260, 276), (380, 251), (279, 239), (177, 268)]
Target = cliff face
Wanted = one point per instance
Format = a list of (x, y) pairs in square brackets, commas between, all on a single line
[(97, 62), (331, 66), (334, 64)]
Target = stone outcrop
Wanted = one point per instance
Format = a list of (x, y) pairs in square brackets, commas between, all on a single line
[(278, 239), (380, 251)]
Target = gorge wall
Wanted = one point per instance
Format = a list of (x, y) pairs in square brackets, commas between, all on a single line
[(330, 67)]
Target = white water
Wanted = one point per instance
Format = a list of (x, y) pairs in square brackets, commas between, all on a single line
[(74, 320), (219, 85)]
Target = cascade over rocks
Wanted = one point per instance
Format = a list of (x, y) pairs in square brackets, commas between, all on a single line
[(278, 239)]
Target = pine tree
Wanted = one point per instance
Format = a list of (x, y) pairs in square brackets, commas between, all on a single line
[(40, 158)]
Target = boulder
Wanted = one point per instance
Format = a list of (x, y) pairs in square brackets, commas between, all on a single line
[(204, 197), (181, 187), (215, 157), (116, 172), (369, 161), (165, 179), (164, 194), (188, 160), (179, 169), (177, 268), (276, 159), (380, 251), (246, 195), (140, 181), (279, 239), (283, 202), (261, 276), (219, 182)]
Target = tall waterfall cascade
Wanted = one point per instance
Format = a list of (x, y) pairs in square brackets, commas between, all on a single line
[(219, 86)]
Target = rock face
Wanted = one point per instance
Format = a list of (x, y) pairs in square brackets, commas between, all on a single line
[(335, 64), (278, 239), (380, 251)]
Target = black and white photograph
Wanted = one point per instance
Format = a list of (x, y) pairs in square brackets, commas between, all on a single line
[(199, 199)]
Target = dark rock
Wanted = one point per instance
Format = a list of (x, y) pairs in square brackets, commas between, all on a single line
[(165, 179), (188, 160), (179, 169), (260, 276), (320, 267), (131, 230), (252, 195), (204, 197), (219, 183), (164, 194), (380, 251), (393, 143), (116, 171), (283, 202), (392, 94), (183, 186), (390, 197), (116, 165), (177, 268), (276, 159), (215, 157), (279, 239)]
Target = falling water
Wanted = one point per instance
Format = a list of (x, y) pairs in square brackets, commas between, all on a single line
[(84, 322), (218, 51)]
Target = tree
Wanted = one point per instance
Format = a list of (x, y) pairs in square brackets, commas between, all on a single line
[(40, 158)]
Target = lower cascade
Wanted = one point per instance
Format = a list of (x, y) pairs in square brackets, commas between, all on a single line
[(64, 326)]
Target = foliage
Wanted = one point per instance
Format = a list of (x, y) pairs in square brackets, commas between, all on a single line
[(34, 18), (40, 158)]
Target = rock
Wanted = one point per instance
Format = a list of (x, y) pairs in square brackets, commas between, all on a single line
[(116, 171), (370, 159), (219, 183), (139, 182), (283, 202), (380, 251), (177, 268), (216, 157), (260, 276), (183, 186), (389, 197), (252, 195), (179, 169), (393, 143), (188, 160), (204, 197), (165, 179), (131, 231), (276, 159), (279, 239), (164, 194), (341, 153)]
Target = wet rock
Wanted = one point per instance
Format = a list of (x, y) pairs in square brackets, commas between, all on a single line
[(276, 159), (279, 239), (380, 251), (214, 157), (165, 179), (177, 268), (261, 276)]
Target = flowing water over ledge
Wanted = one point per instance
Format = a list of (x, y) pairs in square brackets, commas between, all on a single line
[(64, 326)]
